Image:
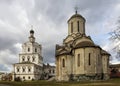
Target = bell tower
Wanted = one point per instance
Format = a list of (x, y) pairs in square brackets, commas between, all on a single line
[(76, 24)]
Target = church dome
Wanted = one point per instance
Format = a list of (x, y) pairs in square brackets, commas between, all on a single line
[(76, 16), (31, 31)]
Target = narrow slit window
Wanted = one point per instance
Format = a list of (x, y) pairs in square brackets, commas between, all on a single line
[(53, 71), (78, 60), (78, 25), (49, 71), (71, 27), (63, 62), (99, 60), (89, 59)]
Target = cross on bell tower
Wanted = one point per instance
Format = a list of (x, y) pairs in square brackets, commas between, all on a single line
[(32, 38)]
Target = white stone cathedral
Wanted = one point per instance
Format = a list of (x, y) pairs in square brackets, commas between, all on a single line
[(79, 58), (30, 61)]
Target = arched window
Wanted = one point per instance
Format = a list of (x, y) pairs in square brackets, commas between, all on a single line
[(78, 26), (99, 60), (35, 49), (23, 77), (29, 77), (63, 62), (29, 69), (33, 59), (28, 49), (18, 69), (28, 58), (23, 68), (23, 59), (53, 71), (78, 60), (71, 27), (49, 71), (89, 59)]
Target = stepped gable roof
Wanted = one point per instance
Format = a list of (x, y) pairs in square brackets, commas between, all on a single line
[(61, 50)]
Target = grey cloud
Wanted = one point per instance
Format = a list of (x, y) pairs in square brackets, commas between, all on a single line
[(59, 11), (49, 55), (8, 42), (3, 68), (6, 1), (97, 9), (56, 13)]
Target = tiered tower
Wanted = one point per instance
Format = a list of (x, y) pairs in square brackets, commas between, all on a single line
[(30, 64)]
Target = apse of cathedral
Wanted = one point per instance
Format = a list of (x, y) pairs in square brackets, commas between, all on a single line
[(79, 58)]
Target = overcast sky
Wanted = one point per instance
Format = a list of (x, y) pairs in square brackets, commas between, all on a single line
[(49, 20)]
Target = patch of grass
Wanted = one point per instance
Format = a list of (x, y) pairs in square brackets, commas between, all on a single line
[(111, 82)]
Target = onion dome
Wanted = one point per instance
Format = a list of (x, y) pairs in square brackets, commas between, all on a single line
[(32, 31)]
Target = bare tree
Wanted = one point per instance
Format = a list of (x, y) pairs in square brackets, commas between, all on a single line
[(115, 37)]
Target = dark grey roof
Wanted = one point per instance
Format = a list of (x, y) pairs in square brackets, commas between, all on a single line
[(104, 52), (86, 41), (76, 15), (114, 65), (26, 62), (85, 44)]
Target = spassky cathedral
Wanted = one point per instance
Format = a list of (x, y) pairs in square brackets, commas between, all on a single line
[(79, 58)]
